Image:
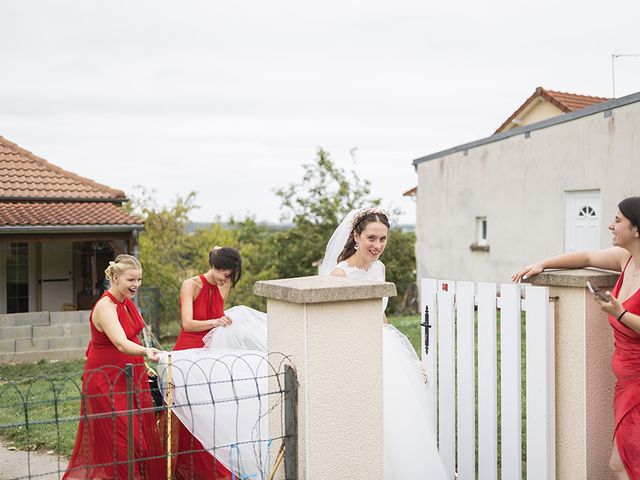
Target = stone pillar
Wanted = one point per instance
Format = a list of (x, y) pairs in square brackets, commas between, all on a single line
[(584, 380), (332, 329)]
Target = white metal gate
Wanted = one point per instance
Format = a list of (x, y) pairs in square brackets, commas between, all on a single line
[(461, 357)]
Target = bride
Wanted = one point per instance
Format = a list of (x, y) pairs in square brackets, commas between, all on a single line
[(236, 432)]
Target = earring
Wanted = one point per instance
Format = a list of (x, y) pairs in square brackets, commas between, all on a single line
[(355, 247)]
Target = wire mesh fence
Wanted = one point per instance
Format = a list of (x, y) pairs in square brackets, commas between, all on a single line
[(203, 414)]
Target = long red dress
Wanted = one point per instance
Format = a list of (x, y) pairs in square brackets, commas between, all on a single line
[(101, 449), (626, 400), (200, 464)]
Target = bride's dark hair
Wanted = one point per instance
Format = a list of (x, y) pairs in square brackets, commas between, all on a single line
[(360, 223)]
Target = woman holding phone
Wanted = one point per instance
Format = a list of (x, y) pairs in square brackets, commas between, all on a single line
[(622, 305)]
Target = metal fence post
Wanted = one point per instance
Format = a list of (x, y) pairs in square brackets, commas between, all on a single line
[(128, 369), (291, 423)]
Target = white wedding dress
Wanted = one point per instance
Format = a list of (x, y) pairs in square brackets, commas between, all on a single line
[(231, 372), (233, 358)]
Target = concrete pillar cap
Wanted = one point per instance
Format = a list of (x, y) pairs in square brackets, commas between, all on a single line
[(574, 278), (322, 289)]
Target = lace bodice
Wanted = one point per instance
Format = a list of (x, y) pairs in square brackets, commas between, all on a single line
[(374, 274)]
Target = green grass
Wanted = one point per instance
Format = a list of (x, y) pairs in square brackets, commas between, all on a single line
[(410, 326), (32, 397)]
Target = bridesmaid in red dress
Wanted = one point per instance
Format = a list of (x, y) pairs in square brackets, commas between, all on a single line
[(101, 448), (202, 309), (623, 309)]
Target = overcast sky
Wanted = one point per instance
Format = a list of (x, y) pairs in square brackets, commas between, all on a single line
[(229, 99)]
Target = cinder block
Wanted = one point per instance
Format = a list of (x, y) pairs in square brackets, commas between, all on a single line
[(28, 318), (79, 329), (63, 343), (48, 331), (31, 345), (60, 318), (7, 346), (83, 340), (13, 333), (75, 353), (36, 356), (85, 316)]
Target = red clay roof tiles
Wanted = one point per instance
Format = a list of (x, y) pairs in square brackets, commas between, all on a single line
[(573, 101), (64, 213), (33, 192), (23, 174)]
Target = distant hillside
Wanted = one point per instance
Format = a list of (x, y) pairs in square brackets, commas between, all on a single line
[(191, 227)]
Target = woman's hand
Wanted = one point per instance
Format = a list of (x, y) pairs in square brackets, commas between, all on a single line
[(612, 307), (527, 272), (152, 354), (223, 321)]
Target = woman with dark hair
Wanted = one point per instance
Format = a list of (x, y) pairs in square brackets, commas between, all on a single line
[(202, 297), (623, 308), (202, 310)]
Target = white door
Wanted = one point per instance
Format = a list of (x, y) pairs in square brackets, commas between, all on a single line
[(57, 283), (582, 220)]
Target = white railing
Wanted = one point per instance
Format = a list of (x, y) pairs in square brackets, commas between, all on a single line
[(455, 343)]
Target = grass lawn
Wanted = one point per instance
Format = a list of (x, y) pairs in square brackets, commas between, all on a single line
[(410, 326), (39, 393)]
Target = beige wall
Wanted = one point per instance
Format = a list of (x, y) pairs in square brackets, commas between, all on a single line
[(519, 184), (540, 111), (537, 111), (331, 329)]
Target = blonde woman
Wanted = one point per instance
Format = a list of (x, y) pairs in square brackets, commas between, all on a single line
[(101, 447)]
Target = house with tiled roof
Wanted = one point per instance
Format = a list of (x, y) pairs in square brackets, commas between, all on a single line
[(544, 104), (547, 182), (541, 105), (58, 231)]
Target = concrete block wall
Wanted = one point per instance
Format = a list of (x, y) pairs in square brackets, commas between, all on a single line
[(30, 337)]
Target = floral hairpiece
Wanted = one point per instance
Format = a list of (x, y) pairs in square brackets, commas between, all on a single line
[(358, 217)]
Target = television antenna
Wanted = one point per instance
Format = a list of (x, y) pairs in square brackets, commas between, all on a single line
[(613, 67)]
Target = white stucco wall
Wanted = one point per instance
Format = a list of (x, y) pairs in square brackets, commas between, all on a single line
[(519, 184)]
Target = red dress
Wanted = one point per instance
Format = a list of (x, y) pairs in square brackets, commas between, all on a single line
[(626, 400), (207, 305), (101, 442)]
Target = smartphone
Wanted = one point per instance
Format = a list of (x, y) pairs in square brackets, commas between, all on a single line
[(598, 292)]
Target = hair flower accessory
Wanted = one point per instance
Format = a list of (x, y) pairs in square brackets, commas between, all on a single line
[(362, 214)]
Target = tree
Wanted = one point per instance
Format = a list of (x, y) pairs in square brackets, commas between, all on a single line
[(399, 258), (315, 206), (166, 250)]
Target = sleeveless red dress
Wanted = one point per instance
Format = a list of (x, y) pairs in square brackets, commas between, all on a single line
[(200, 464), (101, 442), (626, 400)]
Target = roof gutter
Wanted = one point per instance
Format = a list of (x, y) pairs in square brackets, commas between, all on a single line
[(567, 117), (69, 229)]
